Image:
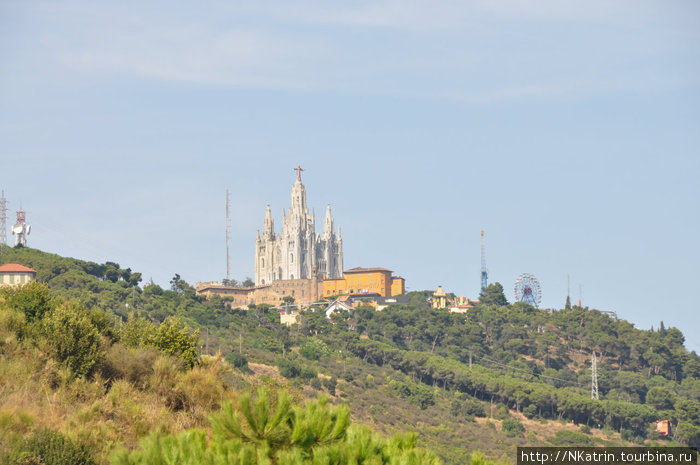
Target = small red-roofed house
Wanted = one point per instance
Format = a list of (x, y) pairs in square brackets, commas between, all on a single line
[(12, 274)]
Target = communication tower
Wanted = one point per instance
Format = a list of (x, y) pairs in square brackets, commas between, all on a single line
[(3, 219), (228, 238), (484, 271), (21, 229)]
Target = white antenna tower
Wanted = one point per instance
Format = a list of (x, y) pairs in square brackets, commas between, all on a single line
[(594, 378), (21, 230), (3, 219), (228, 238)]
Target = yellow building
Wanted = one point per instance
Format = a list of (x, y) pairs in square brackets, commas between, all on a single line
[(304, 291), (13, 274), (439, 298), (365, 281)]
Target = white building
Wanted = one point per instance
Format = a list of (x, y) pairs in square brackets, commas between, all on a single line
[(298, 252), (13, 274)]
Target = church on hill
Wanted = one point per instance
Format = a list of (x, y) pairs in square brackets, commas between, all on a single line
[(298, 252)]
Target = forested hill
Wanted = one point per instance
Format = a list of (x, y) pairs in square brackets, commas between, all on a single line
[(495, 378)]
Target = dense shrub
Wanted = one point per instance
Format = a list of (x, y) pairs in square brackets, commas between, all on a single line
[(513, 427), (314, 348), (72, 338), (565, 438), (47, 447), (33, 299), (289, 368), (132, 364), (467, 408), (416, 393), (238, 360), (308, 373), (530, 411), (330, 384), (170, 337)]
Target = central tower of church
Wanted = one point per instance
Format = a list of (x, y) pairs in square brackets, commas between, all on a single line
[(298, 252)]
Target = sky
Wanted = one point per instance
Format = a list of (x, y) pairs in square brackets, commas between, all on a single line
[(568, 131)]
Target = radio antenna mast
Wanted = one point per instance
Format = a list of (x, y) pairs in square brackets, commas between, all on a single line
[(228, 238)]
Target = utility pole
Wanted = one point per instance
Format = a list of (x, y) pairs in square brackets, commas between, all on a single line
[(594, 378)]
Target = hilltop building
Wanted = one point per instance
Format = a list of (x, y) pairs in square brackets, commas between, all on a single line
[(304, 291), (365, 281), (457, 304), (366, 284), (298, 252), (13, 274)]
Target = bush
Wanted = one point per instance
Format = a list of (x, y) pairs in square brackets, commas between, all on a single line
[(467, 409), (170, 337), (308, 373), (72, 338), (173, 339), (132, 364), (530, 411), (316, 384), (33, 299), (513, 427), (571, 438), (289, 368), (314, 348), (585, 429), (330, 384), (238, 360), (49, 448)]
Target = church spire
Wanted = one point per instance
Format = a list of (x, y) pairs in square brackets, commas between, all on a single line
[(269, 225), (298, 210), (328, 223)]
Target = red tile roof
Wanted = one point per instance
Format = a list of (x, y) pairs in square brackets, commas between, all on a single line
[(15, 268)]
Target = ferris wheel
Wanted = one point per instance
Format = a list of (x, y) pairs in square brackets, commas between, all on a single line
[(528, 290)]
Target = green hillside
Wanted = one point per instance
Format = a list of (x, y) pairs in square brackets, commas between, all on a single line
[(491, 380)]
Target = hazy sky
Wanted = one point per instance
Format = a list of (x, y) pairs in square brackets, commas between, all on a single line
[(569, 131)]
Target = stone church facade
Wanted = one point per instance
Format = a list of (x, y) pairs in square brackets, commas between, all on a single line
[(298, 252)]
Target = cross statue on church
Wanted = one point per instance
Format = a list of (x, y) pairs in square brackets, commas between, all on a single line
[(299, 169)]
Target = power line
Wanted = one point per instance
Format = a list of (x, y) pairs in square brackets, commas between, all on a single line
[(529, 372)]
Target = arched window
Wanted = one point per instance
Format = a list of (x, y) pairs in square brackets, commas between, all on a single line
[(291, 258), (263, 263), (291, 277)]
